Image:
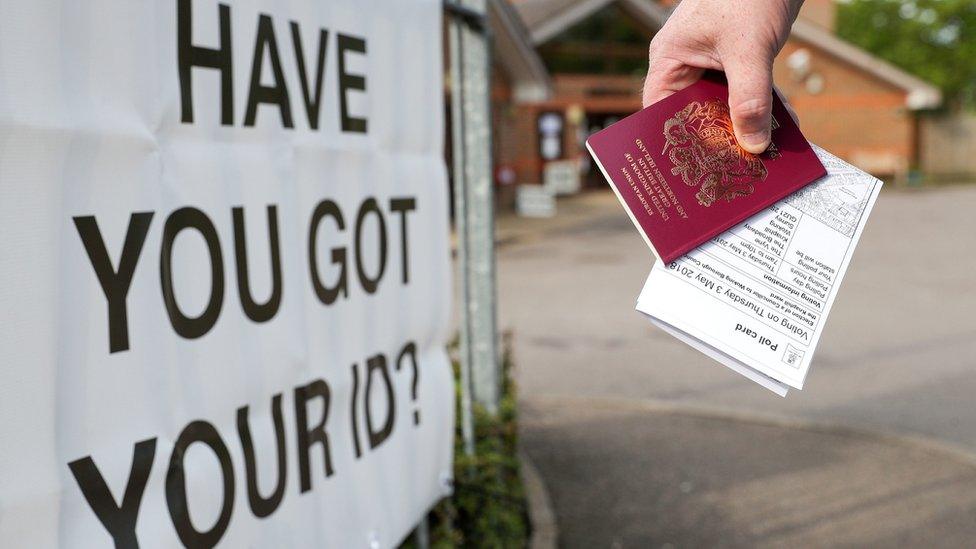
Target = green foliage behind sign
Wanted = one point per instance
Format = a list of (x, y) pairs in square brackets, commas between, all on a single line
[(488, 508)]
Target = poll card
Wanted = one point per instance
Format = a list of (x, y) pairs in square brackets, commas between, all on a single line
[(756, 297)]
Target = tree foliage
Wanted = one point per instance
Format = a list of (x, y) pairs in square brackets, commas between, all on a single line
[(933, 39)]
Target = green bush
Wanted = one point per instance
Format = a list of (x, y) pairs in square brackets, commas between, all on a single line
[(488, 507)]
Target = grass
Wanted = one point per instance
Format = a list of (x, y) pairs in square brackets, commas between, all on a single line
[(488, 507)]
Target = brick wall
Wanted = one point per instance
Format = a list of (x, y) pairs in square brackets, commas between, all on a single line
[(854, 115), (516, 141)]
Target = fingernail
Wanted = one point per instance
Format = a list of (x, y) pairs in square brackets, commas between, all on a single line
[(755, 143)]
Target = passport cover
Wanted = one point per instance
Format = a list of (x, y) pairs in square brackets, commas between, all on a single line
[(679, 172)]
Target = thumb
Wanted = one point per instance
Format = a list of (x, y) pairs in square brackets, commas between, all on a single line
[(751, 102)]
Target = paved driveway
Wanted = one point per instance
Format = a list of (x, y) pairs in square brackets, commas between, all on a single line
[(898, 357)]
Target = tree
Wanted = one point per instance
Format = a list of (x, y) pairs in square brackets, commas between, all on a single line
[(932, 39)]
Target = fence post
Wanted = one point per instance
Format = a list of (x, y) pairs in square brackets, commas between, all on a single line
[(469, 42), (474, 199)]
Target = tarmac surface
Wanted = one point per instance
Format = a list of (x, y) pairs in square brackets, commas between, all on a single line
[(643, 441)]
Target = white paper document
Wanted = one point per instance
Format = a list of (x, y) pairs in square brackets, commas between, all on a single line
[(756, 297)]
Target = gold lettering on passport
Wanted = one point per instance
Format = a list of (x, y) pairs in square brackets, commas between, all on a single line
[(705, 153)]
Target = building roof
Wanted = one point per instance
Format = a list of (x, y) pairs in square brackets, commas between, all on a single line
[(546, 19), (515, 51)]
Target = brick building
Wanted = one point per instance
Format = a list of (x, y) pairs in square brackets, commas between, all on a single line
[(566, 68)]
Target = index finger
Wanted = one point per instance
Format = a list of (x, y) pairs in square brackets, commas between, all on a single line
[(666, 76)]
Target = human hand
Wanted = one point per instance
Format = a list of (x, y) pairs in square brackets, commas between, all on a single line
[(740, 37)]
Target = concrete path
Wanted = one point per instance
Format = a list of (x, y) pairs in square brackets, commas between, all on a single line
[(635, 416)]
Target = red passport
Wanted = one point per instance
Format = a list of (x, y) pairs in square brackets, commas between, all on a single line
[(680, 174)]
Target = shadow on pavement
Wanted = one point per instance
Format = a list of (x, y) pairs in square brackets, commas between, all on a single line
[(627, 476)]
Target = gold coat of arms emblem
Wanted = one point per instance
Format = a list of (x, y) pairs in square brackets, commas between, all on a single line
[(701, 145)]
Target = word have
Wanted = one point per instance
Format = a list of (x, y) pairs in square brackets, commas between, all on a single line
[(116, 281), (120, 516), (190, 56)]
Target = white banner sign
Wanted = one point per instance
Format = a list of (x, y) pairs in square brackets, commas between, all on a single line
[(225, 273)]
